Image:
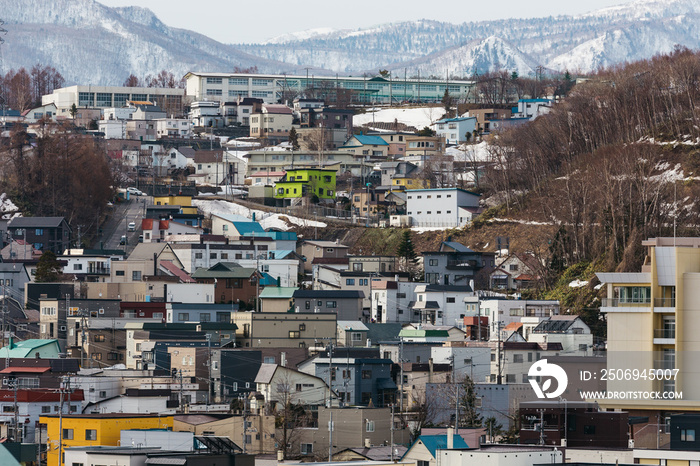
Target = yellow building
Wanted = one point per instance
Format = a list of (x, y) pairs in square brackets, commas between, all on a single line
[(652, 320), (399, 182), (84, 430), (185, 203)]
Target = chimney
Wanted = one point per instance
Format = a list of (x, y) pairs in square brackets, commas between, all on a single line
[(450, 439), (367, 443)]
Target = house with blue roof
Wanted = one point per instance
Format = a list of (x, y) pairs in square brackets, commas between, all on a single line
[(455, 130), (424, 450), (361, 144)]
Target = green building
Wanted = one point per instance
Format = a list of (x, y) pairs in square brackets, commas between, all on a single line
[(301, 183)]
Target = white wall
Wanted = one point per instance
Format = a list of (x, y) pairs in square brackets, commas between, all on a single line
[(190, 292)]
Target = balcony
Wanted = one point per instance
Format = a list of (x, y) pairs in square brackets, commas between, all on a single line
[(461, 265), (664, 304), (625, 305), (664, 364), (665, 336)]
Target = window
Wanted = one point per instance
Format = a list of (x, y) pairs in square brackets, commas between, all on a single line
[(517, 358), (39, 231), (198, 255), (590, 430), (213, 80), (205, 317), (356, 336), (687, 435), (510, 378), (331, 304), (450, 300), (212, 255), (136, 275), (583, 347), (90, 434), (349, 281), (294, 334), (366, 374), (183, 316), (67, 434), (369, 426), (433, 262), (45, 409), (307, 448), (213, 91), (366, 397), (99, 338), (269, 359)]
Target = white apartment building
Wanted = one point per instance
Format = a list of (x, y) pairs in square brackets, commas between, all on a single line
[(506, 311), (173, 128), (443, 207)]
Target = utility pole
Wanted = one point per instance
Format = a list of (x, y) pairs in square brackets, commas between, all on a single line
[(209, 367), (330, 435), (16, 435), (392, 432), (4, 314), (401, 375), (245, 421), (182, 408), (330, 372), (454, 381), (499, 377), (64, 381)]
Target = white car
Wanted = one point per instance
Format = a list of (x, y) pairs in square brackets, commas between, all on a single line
[(132, 226), (134, 191)]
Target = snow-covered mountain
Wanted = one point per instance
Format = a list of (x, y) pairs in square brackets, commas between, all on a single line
[(91, 43)]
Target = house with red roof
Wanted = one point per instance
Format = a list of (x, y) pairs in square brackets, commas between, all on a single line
[(155, 231)]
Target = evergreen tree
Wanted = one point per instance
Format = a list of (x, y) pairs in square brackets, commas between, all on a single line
[(470, 417), (447, 102), (73, 111), (426, 132), (294, 139), (405, 250), (48, 269)]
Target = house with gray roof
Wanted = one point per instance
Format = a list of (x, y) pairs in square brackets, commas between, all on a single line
[(347, 304), (45, 233)]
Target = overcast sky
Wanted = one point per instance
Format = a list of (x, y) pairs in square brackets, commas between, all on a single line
[(236, 21)]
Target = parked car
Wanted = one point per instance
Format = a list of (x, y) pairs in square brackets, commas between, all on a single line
[(140, 238), (132, 226), (134, 191), (122, 240)]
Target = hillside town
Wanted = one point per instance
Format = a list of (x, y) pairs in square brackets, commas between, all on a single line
[(218, 300)]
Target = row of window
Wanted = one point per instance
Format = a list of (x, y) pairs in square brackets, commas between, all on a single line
[(361, 281), (429, 196), (90, 434), (438, 212), (329, 304)]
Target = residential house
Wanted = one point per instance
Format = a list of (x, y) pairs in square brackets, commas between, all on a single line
[(569, 330), (454, 264), (173, 128), (238, 112), (396, 141), (48, 112), (372, 264), (516, 358), (396, 169), (455, 130), (180, 157), (260, 330), (392, 301), (366, 146), (517, 271), (255, 430), (352, 333), (312, 249), (424, 146), (447, 207), (347, 304), (370, 201), (485, 117), (206, 113), (358, 381), (277, 299), (416, 375), (426, 448), (305, 183), (301, 103), (92, 265), (336, 124), (147, 111), (156, 231), (355, 425), (272, 123), (233, 283), (19, 250), (502, 312), (532, 108), (281, 385), (494, 455), (45, 233)]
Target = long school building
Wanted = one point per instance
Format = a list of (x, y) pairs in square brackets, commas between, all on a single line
[(273, 88)]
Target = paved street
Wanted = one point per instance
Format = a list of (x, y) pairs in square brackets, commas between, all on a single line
[(132, 210)]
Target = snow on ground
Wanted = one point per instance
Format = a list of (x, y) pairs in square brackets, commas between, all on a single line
[(578, 283), (267, 219), (8, 209), (418, 117), (470, 152)]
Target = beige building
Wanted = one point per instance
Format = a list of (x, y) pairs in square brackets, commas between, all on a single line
[(653, 316), (282, 330), (280, 385), (259, 436), (273, 122)]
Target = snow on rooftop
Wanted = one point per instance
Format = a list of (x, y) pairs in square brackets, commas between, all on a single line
[(418, 117), (266, 219), (470, 152), (8, 209)]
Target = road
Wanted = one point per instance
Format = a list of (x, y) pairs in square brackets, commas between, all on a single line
[(132, 210)]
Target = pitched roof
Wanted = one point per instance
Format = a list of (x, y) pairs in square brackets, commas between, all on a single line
[(208, 156), (458, 247), (248, 228), (33, 222), (439, 442), (26, 348), (265, 373), (370, 140), (275, 292), (224, 270), (354, 325), (388, 331), (556, 324), (177, 272)]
